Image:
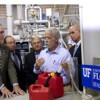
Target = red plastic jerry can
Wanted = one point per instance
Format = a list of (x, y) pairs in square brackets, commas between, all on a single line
[(55, 83), (39, 92)]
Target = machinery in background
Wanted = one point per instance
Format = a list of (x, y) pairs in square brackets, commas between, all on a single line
[(34, 25)]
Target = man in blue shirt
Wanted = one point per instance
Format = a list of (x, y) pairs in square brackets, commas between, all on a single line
[(54, 56)]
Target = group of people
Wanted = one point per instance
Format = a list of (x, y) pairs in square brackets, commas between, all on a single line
[(15, 78)]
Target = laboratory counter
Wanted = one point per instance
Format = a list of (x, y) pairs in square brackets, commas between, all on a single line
[(67, 96)]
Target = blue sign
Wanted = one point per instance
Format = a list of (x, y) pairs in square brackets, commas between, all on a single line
[(91, 76)]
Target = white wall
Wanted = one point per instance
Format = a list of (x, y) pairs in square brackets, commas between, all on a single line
[(90, 23)]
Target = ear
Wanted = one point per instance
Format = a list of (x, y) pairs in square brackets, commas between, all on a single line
[(57, 40)]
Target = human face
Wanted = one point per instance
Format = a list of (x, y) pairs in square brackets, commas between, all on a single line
[(74, 34), (51, 41), (1, 34), (11, 43), (37, 44)]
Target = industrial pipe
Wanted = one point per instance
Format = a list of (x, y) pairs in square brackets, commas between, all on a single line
[(19, 22), (9, 19)]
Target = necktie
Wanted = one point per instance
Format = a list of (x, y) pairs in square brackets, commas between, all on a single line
[(75, 49), (16, 60), (37, 55)]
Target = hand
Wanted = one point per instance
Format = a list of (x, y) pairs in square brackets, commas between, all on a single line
[(18, 90), (39, 62), (6, 93), (64, 65)]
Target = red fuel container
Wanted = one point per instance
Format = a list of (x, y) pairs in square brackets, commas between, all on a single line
[(55, 83), (39, 92)]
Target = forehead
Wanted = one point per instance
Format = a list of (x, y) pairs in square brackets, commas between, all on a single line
[(48, 34), (72, 28), (36, 40), (10, 39)]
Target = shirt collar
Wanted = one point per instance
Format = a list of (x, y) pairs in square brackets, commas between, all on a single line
[(37, 53), (78, 43), (55, 51)]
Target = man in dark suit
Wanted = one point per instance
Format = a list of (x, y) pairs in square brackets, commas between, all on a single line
[(16, 58), (74, 32), (6, 66), (30, 61)]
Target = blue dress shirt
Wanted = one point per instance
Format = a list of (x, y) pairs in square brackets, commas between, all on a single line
[(53, 60)]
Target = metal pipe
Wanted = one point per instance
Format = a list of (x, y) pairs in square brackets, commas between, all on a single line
[(26, 10), (9, 19), (40, 11), (37, 21), (71, 15), (19, 12)]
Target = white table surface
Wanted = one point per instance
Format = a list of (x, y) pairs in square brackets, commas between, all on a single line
[(67, 96)]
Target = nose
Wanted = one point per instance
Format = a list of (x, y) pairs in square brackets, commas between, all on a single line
[(71, 35)]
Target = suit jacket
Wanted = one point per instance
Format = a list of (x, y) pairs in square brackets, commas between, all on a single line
[(31, 77), (6, 66), (78, 55), (20, 72)]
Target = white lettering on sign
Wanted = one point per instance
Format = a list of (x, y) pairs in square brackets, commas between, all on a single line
[(96, 76), (86, 72), (95, 84)]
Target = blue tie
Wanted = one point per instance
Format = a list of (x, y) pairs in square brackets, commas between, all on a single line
[(16, 60)]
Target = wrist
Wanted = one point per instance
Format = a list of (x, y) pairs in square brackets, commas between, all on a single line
[(15, 84), (1, 86), (36, 66)]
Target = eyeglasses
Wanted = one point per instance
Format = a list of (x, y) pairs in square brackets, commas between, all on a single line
[(1, 32)]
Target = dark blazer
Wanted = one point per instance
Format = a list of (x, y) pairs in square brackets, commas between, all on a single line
[(20, 72), (6, 66), (28, 68), (79, 58)]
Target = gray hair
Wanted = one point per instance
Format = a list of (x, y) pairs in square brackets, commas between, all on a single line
[(76, 26), (36, 37), (54, 31)]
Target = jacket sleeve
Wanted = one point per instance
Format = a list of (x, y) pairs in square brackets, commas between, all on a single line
[(0, 81), (12, 72), (28, 69)]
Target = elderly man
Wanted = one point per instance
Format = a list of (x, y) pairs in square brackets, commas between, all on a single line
[(54, 56), (6, 66)]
